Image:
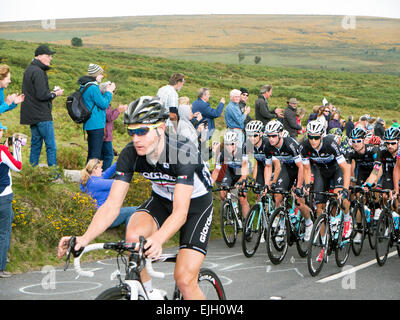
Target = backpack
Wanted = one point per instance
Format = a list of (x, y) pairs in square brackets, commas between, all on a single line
[(76, 108)]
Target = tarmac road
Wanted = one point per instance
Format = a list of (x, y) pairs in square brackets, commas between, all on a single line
[(243, 278)]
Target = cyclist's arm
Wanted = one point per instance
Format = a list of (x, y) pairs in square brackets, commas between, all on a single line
[(268, 174), (245, 170), (346, 174), (300, 174), (396, 175), (307, 173), (103, 218), (215, 173), (353, 167), (255, 170), (277, 169), (375, 175)]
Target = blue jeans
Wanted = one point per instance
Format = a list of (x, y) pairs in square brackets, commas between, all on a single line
[(6, 218), (95, 143), (124, 216), (107, 154), (43, 131)]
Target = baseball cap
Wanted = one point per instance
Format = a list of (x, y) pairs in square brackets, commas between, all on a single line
[(43, 49)]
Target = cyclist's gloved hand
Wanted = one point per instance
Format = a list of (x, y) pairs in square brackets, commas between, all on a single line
[(367, 186), (272, 186), (345, 194), (299, 192)]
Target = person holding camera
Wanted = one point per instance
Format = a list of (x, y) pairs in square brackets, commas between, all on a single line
[(38, 104), (7, 161), (98, 103)]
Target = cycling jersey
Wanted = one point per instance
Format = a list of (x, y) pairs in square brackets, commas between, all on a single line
[(233, 161), (287, 154), (175, 166), (324, 165), (326, 158), (259, 155), (364, 162)]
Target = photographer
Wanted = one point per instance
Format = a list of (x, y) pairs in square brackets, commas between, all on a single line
[(97, 102), (7, 162)]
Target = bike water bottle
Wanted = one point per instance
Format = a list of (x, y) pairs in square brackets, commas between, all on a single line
[(367, 213), (396, 219), (236, 209)]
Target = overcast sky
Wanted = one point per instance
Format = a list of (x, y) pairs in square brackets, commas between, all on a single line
[(20, 10)]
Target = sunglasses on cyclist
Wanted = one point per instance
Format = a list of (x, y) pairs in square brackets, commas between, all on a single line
[(141, 131), (356, 141), (314, 137), (253, 135), (390, 142), (272, 136)]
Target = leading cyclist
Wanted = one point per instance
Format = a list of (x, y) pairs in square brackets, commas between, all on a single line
[(181, 198)]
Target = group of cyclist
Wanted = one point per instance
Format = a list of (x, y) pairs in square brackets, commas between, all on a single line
[(181, 198)]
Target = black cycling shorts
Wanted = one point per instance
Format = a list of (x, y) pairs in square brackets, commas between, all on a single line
[(195, 233), (324, 180), (231, 177), (287, 177)]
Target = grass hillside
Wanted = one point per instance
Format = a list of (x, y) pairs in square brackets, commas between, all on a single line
[(44, 211), (365, 45)]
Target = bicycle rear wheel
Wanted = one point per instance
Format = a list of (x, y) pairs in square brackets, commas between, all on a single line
[(383, 234), (210, 285), (318, 245), (359, 229), (228, 224), (278, 236), (252, 231)]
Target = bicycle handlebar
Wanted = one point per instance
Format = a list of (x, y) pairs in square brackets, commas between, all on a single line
[(117, 246)]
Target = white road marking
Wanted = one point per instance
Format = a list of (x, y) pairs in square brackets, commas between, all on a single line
[(352, 270)]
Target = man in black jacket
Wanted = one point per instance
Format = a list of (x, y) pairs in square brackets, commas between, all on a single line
[(36, 109), (289, 119), (262, 111)]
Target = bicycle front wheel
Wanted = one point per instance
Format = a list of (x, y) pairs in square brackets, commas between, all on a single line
[(278, 236), (359, 230), (318, 245), (228, 224), (115, 293), (252, 231), (383, 234)]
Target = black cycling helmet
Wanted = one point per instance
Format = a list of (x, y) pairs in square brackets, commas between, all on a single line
[(358, 133), (392, 134), (146, 110)]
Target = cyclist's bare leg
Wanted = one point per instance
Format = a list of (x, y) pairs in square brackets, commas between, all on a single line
[(278, 200), (187, 268), (222, 194), (140, 224), (245, 205), (304, 209)]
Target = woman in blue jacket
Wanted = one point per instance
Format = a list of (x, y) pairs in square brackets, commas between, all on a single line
[(98, 184), (97, 103)]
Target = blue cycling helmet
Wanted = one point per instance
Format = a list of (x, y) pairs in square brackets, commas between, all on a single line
[(358, 133), (392, 134)]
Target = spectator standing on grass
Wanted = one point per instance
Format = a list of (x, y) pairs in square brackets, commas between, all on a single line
[(395, 124), (334, 122), (11, 101), (262, 111), (37, 106), (107, 151), (97, 102), (168, 95), (349, 126), (314, 114), (289, 120), (323, 117), (7, 162), (379, 129), (208, 113), (234, 118), (244, 96), (300, 113)]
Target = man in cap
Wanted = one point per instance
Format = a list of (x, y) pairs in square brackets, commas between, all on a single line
[(37, 107), (289, 120)]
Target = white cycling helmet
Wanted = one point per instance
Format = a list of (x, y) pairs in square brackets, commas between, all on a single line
[(231, 137), (254, 126), (285, 133), (273, 126), (315, 127)]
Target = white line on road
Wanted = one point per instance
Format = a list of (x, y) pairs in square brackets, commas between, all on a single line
[(354, 269)]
